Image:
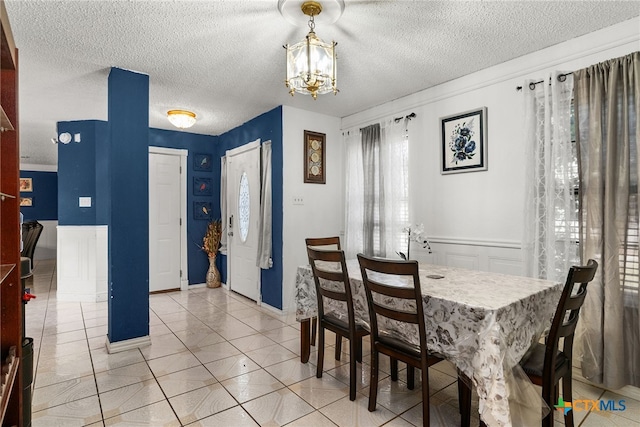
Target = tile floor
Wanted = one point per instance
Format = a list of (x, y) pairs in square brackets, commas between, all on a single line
[(217, 359)]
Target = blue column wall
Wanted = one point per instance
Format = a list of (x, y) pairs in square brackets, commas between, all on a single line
[(128, 109), (44, 196), (267, 126), (198, 262)]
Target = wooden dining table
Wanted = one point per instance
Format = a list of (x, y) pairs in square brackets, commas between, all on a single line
[(482, 322)]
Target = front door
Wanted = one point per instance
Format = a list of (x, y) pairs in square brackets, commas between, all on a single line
[(243, 210), (164, 222)]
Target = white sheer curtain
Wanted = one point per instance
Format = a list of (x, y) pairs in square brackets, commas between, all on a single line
[(354, 193), (376, 188), (550, 240), (394, 160), (264, 260)]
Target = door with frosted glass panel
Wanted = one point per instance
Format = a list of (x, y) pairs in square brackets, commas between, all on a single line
[(243, 210)]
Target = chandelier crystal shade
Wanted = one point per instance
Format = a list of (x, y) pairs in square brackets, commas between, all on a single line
[(311, 63), (181, 119)]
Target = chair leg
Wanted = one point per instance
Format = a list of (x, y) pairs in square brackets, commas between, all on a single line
[(338, 346), (394, 369), (547, 396), (373, 381), (358, 349), (425, 396), (464, 400), (320, 352), (353, 343), (411, 371), (566, 396), (314, 327)]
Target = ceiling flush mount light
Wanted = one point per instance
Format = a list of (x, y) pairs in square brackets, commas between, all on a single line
[(311, 63), (181, 118)]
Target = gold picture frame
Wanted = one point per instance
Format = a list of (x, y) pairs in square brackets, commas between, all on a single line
[(314, 157), (26, 185)]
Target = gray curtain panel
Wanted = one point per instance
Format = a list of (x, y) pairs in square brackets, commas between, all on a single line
[(264, 260), (372, 226), (607, 110)]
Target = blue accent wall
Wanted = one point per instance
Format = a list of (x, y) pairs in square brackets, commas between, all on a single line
[(79, 165), (128, 157), (267, 126), (44, 196), (198, 263)]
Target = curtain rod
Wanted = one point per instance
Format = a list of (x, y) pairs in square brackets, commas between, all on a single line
[(532, 85), (408, 116)]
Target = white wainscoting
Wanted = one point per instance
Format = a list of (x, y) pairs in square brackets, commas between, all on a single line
[(82, 263), (48, 242), (494, 256)]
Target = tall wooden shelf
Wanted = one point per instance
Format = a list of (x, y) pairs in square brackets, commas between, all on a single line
[(11, 307)]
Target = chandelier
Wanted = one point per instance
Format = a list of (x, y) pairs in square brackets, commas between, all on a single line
[(181, 118), (311, 63)]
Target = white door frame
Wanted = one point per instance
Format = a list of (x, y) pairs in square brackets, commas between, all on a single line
[(230, 153), (184, 279)]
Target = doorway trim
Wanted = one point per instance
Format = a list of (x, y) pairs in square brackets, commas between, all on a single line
[(184, 279)]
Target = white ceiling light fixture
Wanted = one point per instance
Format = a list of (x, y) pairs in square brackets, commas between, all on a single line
[(181, 119), (311, 63)]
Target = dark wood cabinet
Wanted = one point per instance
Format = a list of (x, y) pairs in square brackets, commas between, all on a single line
[(11, 306)]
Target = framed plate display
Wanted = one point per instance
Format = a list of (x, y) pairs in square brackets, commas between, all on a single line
[(202, 162), (201, 186), (314, 157), (201, 210), (464, 142)]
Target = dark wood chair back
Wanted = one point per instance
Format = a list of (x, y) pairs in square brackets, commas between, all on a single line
[(331, 279), (408, 298), (568, 311)]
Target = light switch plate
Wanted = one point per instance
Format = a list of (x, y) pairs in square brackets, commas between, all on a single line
[(84, 202)]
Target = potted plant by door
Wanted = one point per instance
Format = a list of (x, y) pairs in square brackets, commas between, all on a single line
[(210, 244)]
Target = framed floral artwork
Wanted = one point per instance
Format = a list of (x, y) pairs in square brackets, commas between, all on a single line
[(464, 142), (26, 185), (26, 201), (314, 157)]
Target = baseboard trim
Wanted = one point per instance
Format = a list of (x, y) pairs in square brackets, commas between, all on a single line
[(118, 346)]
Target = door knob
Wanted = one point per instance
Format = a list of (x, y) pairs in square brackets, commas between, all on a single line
[(230, 233)]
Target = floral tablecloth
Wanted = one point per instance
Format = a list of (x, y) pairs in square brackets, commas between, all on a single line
[(482, 322)]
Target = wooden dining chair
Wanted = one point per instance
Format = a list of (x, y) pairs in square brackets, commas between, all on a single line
[(550, 362), (333, 283), (407, 309), (323, 243)]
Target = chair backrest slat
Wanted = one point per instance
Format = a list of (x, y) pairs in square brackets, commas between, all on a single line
[(323, 242)]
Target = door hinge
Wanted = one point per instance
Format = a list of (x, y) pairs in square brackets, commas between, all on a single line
[(180, 273), (180, 221), (180, 169)]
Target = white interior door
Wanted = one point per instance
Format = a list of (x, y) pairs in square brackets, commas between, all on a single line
[(243, 210), (164, 222)]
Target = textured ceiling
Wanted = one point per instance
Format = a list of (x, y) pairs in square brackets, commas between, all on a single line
[(224, 59)]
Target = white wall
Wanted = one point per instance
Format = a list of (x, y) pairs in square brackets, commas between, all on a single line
[(475, 219), (322, 211)]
